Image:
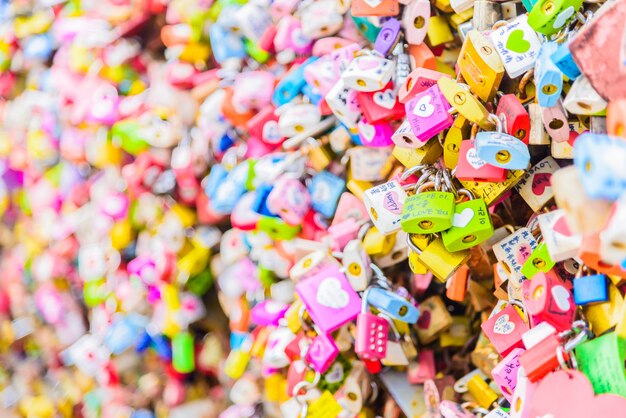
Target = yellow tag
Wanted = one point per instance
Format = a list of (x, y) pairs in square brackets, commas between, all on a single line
[(324, 407), (466, 104), (490, 192), (427, 154), (236, 363)]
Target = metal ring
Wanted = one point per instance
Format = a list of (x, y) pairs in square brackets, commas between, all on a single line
[(412, 245), (377, 271), (406, 173), (426, 185), (496, 121), (364, 229)]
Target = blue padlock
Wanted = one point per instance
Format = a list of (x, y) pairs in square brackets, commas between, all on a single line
[(599, 160), (124, 332), (502, 150), (548, 77), (143, 342), (367, 28), (563, 59), (225, 44), (590, 289), (142, 413), (230, 190), (326, 189), (38, 47), (392, 304), (216, 177), (260, 202), (161, 345), (237, 339), (291, 84), (312, 94)]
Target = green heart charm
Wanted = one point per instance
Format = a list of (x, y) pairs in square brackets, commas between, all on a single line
[(517, 43)]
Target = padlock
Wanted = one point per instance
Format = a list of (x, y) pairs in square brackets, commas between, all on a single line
[(472, 168), (535, 187), (466, 104), (225, 44), (320, 19), (522, 395), (517, 45), (561, 243), (549, 16), (438, 31), (388, 37), (362, 8), (384, 204), (420, 242), (562, 58), (405, 137), (415, 20), (325, 189), (357, 265), (542, 358), (343, 102), (428, 114), (289, 199), (330, 300), (374, 135), (481, 392), (371, 333), (539, 261), (513, 251), (321, 353), (504, 329), (368, 72), (590, 289), (480, 65), (294, 119), (548, 300), (291, 84), (453, 141), (456, 287), (409, 157), (486, 14), (418, 80), (376, 243), (505, 374), (502, 150), (555, 122), (441, 262), (584, 215), (600, 360), (253, 90), (356, 388), (514, 117), (392, 305), (321, 75), (471, 224), (398, 253), (582, 99), (434, 319), (341, 233), (428, 212), (548, 78), (600, 173), (311, 264), (381, 105)]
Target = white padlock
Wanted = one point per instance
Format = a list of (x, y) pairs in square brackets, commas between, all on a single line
[(384, 204)]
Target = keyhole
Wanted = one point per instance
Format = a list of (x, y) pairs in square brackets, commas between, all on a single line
[(307, 263), (361, 82), (426, 224), (549, 89), (352, 396), (452, 147), (521, 133), (374, 214), (486, 50), (503, 156), (538, 292), (555, 124), (548, 7), (409, 84), (618, 245), (396, 255), (403, 310), (469, 238), (584, 105), (298, 128), (539, 263), (407, 139), (588, 166), (459, 98), (354, 269), (418, 22), (619, 130)]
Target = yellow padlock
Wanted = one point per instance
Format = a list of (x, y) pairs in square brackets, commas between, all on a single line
[(293, 316), (435, 319), (466, 104), (480, 65), (603, 316), (459, 130), (121, 234), (236, 363), (37, 407), (439, 31), (186, 215), (358, 187), (441, 262), (480, 390), (444, 6), (320, 156), (326, 406), (457, 18), (192, 263), (491, 192), (376, 243), (276, 388), (427, 154)]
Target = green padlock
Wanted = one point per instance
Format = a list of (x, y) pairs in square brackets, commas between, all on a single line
[(367, 28), (550, 16), (471, 224), (602, 361), (538, 262), (428, 212), (127, 134), (183, 356), (277, 229)]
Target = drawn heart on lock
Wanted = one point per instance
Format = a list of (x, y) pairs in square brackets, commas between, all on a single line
[(562, 227), (423, 108), (561, 297), (390, 202), (424, 321), (385, 99), (335, 374), (365, 63), (299, 38), (331, 295), (517, 43), (540, 182), (367, 131), (461, 220), (316, 351), (503, 326), (473, 159), (373, 3), (270, 132), (553, 398), (563, 17)]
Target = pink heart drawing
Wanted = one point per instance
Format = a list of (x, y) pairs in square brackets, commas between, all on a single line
[(390, 202), (367, 63)]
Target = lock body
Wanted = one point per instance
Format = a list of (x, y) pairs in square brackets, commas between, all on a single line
[(428, 114), (428, 212), (471, 225), (371, 336), (502, 150)]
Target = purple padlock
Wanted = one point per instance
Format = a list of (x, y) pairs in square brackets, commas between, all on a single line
[(388, 37), (375, 135)]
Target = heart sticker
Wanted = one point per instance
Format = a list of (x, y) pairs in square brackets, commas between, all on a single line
[(561, 227), (474, 160), (563, 17), (503, 326), (561, 297), (316, 350), (390, 202), (335, 374), (517, 43), (365, 63), (424, 320), (462, 219), (331, 295), (423, 108), (373, 3), (540, 182), (367, 131), (385, 99)]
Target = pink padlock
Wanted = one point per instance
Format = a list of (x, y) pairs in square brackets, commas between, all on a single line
[(116, 206), (328, 45), (329, 298), (471, 168), (268, 312), (50, 303), (321, 353), (350, 206), (321, 74), (419, 80), (264, 125), (289, 37), (253, 90), (504, 329), (405, 138), (371, 334), (343, 56), (375, 135), (415, 20), (104, 105), (289, 199), (548, 299), (428, 113), (144, 268), (555, 122), (343, 232), (505, 373), (381, 105)]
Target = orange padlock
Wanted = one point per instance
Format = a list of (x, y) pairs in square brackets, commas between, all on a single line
[(422, 57), (456, 286)]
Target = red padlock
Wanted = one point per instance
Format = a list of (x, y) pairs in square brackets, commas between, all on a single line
[(516, 121)]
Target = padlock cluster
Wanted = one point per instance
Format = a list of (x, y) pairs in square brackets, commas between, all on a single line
[(312, 208)]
